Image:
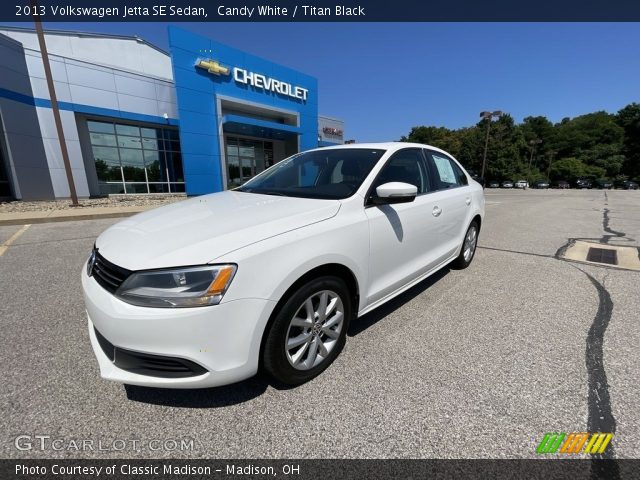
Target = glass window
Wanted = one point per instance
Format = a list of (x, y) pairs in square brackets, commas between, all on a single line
[(405, 166), (174, 159), (233, 171), (447, 173), (150, 144), (137, 187), (132, 165), (460, 176), (129, 142), (155, 169), (107, 163), (106, 153), (171, 134), (127, 130), (111, 188), (158, 188), (100, 127), (103, 139), (149, 132), (130, 158), (172, 146)]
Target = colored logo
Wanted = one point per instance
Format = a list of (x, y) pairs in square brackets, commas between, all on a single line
[(574, 443), (213, 66)]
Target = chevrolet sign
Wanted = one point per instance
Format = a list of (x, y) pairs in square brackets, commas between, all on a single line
[(263, 82), (256, 80)]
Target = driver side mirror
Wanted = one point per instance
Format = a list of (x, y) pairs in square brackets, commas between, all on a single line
[(394, 192)]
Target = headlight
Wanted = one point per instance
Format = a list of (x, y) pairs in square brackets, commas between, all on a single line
[(179, 287)]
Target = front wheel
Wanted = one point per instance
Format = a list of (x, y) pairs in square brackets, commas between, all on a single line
[(308, 331), (469, 245)]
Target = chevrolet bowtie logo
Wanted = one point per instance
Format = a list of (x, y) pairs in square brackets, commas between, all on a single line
[(213, 67)]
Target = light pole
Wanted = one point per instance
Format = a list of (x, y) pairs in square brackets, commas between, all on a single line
[(487, 116), (533, 143)]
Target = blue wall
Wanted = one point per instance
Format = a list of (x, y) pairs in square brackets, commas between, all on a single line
[(196, 91)]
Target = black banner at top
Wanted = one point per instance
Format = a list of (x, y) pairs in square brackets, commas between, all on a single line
[(321, 10)]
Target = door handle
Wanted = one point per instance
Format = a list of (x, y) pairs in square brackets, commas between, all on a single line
[(467, 201), (436, 211)]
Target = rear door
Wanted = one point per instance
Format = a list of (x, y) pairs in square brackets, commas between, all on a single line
[(451, 202)]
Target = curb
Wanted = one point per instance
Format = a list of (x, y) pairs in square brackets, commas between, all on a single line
[(66, 218)]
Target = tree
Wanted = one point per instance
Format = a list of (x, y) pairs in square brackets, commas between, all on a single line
[(629, 119), (596, 145)]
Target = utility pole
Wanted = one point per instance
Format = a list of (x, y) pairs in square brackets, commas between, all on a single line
[(533, 144), (54, 105), (551, 155), (487, 116)]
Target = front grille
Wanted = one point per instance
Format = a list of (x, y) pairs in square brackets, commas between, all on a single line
[(148, 364), (108, 275)]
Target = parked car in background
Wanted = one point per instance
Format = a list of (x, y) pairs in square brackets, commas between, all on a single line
[(562, 184), (625, 185), (207, 291), (521, 184), (494, 184), (583, 183), (541, 184), (507, 184), (603, 184)]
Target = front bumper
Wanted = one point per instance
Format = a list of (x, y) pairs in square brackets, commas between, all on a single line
[(223, 339)]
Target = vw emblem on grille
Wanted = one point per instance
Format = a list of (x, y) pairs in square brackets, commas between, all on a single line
[(91, 262)]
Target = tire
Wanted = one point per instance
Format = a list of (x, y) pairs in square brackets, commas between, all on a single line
[(465, 259), (322, 337)]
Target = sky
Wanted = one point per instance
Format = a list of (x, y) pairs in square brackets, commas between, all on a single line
[(384, 78)]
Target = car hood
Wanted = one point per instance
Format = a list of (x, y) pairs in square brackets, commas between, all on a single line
[(199, 230)]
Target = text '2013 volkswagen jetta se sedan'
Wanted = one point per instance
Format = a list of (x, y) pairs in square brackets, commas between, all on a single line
[(209, 290)]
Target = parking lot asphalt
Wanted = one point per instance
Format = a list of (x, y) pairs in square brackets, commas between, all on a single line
[(478, 363)]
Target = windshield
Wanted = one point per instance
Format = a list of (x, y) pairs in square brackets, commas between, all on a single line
[(330, 174)]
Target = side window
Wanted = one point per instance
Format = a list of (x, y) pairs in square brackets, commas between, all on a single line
[(462, 178), (447, 173), (405, 166)]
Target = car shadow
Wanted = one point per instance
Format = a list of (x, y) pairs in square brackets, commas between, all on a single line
[(361, 324), (215, 397), (394, 220)]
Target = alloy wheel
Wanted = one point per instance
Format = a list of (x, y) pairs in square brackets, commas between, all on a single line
[(470, 241), (314, 330)]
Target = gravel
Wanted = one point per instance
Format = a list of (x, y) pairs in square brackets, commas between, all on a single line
[(113, 201)]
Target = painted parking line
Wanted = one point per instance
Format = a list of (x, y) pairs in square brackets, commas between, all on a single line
[(13, 238)]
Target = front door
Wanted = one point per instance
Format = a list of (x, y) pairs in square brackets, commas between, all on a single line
[(245, 158), (403, 237)]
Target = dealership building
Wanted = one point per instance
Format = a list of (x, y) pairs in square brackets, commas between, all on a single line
[(200, 118)]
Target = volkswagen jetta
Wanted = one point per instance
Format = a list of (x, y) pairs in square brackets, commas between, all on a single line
[(209, 290)]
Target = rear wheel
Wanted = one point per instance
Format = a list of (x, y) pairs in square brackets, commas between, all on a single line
[(309, 331), (469, 245)]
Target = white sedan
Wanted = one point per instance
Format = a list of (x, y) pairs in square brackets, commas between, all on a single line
[(212, 289)]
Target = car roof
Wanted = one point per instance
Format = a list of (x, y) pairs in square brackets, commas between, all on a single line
[(389, 146)]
